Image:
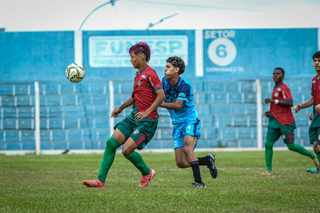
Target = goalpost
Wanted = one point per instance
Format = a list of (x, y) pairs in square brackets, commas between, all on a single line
[(111, 120), (37, 117)]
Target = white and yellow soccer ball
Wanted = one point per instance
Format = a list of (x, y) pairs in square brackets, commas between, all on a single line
[(75, 72)]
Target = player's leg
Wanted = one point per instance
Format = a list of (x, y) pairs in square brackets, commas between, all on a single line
[(314, 136), (188, 146), (140, 137), (288, 138), (182, 160), (272, 136), (112, 144)]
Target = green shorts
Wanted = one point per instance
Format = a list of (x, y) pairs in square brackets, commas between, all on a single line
[(286, 131), (141, 132), (314, 134), (314, 130)]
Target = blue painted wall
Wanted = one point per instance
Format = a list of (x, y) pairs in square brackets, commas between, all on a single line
[(227, 54), (35, 55)]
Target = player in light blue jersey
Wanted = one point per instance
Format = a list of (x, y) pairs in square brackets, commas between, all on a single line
[(186, 131)]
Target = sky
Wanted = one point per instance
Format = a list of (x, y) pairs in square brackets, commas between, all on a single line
[(66, 15)]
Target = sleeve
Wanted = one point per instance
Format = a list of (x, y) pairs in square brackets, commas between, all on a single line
[(184, 92), (154, 81), (312, 91), (286, 94)]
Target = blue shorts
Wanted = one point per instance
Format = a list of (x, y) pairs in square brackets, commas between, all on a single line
[(182, 129)]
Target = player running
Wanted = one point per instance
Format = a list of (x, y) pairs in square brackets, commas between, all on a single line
[(186, 131), (314, 129), (281, 121), (136, 130)]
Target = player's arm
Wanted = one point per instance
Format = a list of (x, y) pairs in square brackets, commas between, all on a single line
[(160, 98), (126, 104), (285, 103), (306, 104), (175, 106)]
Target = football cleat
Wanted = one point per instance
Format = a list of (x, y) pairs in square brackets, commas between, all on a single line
[(199, 185), (145, 180), (212, 167), (94, 183), (267, 173), (313, 170)]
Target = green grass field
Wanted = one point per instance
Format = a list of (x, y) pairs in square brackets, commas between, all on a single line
[(53, 183)]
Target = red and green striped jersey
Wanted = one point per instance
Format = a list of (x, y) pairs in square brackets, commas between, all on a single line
[(315, 91), (282, 114), (145, 85)]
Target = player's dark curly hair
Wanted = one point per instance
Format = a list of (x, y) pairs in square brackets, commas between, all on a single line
[(177, 62), (141, 48), (316, 55), (279, 68)]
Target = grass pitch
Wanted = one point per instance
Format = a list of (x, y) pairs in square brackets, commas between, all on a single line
[(54, 184)]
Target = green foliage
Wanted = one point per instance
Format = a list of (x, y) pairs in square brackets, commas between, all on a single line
[(54, 184)]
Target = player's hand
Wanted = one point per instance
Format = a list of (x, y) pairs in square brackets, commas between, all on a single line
[(318, 108), (267, 114), (311, 116), (116, 112), (140, 115), (268, 100), (297, 108)]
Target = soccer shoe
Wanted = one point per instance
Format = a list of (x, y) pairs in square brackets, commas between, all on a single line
[(145, 180), (313, 170), (267, 173), (212, 167), (94, 183), (199, 185)]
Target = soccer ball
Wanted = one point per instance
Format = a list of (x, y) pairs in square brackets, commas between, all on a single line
[(75, 73)]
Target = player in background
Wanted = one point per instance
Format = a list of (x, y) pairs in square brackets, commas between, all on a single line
[(314, 129), (186, 131), (136, 130), (281, 121)]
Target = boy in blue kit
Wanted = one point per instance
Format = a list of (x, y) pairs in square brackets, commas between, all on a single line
[(186, 131)]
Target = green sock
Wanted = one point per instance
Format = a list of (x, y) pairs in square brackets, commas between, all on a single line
[(269, 154), (108, 158), (139, 163), (318, 156), (300, 149)]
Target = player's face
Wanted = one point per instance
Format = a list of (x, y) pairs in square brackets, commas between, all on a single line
[(170, 71), (277, 75), (135, 60), (316, 64)]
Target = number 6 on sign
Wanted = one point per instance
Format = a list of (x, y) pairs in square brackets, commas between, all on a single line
[(222, 51)]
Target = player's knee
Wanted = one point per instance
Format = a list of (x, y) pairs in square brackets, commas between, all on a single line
[(268, 144), (112, 143), (126, 151), (181, 164)]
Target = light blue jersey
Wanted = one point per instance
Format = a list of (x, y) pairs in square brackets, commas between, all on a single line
[(185, 121), (182, 91)]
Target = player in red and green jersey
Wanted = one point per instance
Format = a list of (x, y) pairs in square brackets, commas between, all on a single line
[(314, 129), (281, 120), (136, 130)]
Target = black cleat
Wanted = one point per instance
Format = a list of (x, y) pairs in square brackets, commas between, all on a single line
[(199, 185), (212, 167)]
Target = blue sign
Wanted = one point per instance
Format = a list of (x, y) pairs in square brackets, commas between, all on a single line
[(112, 51), (255, 53), (106, 53)]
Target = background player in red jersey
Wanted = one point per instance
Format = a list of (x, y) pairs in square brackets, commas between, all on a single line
[(314, 130), (281, 121), (136, 130)]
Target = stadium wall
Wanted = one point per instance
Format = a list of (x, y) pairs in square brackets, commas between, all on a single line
[(224, 54)]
